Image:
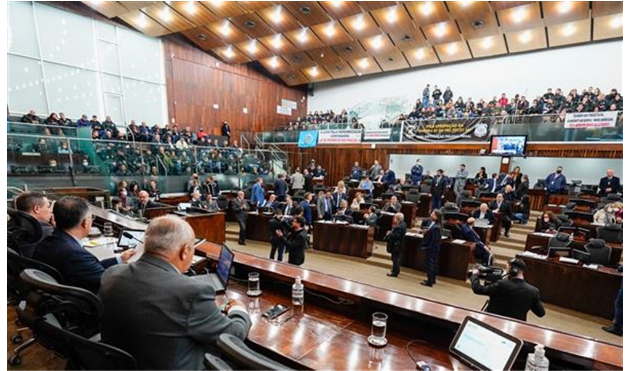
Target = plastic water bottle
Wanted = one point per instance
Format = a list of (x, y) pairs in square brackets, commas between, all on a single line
[(537, 361), (297, 293)]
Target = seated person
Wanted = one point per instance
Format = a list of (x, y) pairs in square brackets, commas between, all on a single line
[(343, 209), (370, 218), (548, 222), (357, 201), (153, 190), (379, 177), (607, 214), (289, 208), (501, 206), (484, 213), (123, 203), (63, 250), (393, 206), (39, 207), (211, 203), (522, 212), (482, 252), (174, 319), (509, 194), (366, 184), (196, 200), (144, 203), (271, 203)]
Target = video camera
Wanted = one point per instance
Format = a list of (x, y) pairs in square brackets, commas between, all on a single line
[(489, 274)]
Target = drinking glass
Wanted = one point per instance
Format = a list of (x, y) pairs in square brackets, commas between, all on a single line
[(378, 329), (253, 284)]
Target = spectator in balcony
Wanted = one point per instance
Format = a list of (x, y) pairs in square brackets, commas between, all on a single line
[(182, 143), (225, 129), (436, 95), (53, 120), (41, 146), (555, 183), (109, 125), (122, 171), (31, 118), (64, 121), (503, 101), (95, 123), (447, 95), (356, 172), (64, 149), (426, 95), (83, 122)]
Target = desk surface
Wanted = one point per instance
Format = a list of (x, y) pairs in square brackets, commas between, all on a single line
[(581, 350)]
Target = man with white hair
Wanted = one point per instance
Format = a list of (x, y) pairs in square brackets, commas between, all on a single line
[(164, 318), (609, 184)]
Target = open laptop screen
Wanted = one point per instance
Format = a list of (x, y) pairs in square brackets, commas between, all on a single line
[(226, 257), (484, 347), (124, 241)]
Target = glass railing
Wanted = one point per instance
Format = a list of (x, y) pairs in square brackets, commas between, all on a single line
[(40, 159), (538, 128)]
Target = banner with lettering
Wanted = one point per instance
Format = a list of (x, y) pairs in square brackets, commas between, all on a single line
[(471, 130), (590, 120), (377, 135), (341, 136)]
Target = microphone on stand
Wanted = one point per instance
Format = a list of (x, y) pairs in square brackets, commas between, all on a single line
[(130, 236)]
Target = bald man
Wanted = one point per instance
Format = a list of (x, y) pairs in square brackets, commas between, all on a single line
[(144, 203), (609, 184)]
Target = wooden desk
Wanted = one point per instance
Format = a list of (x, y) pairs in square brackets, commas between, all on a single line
[(174, 199), (495, 229), (408, 208), (571, 286), (534, 239), (453, 260), (155, 212), (323, 339), (346, 239), (485, 233), (210, 226), (258, 226)]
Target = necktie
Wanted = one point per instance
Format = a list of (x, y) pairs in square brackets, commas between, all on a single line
[(286, 211), (327, 209)]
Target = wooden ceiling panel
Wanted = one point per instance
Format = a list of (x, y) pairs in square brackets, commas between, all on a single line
[(472, 30), (341, 9), (252, 25), (230, 54), (393, 19), (143, 23), (340, 70), (227, 31), (195, 12), (279, 19), (254, 49), (521, 41), (168, 17), (427, 12), (501, 5), (569, 33), (332, 33), (421, 56), (558, 12), (276, 65), (365, 66), (373, 5), (224, 9), (408, 41), (203, 38), (378, 45), (392, 61), (360, 25), (278, 44), (603, 8), (308, 13), (350, 51), (132, 5), (253, 6), (299, 60), (304, 39), (488, 46), (316, 74), (109, 9), (324, 56), (442, 33), (468, 10), (453, 52), (520, 18), (608, 27), (293, 78)]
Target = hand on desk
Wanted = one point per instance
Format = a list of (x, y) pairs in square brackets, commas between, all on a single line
[(231, 303), (127, 255)]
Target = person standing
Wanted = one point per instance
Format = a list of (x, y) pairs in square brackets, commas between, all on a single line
[(324, 205), (225, 130), (512, 296), (280, 188), (308, 181), (297, 242), (425, 96), (297, 181), (307, 209), (504, 208), (609, 184), (277, 244), (240, 207), (395, 242), (416, 173), (258, 192), (555, 183), (438, 189), (432, 244), (461, 180), (356, 172), (375, 169)]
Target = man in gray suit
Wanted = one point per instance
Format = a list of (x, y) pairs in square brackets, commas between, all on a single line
[(165, 319)]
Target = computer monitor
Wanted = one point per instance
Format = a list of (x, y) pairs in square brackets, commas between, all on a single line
[(508, 145), (484, 347)]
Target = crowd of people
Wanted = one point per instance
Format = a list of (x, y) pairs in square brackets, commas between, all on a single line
[(323, 120)]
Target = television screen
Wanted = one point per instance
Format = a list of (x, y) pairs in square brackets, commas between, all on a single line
[(508, 145)]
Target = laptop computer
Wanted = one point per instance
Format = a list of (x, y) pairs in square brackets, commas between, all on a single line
[(219, 279), (183, 206), (481, 222), (484, 347)]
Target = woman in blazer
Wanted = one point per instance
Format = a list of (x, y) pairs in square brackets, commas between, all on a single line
[(432, 244)]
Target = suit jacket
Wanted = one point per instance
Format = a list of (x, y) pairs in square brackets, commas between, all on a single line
[(336, 199), (291, 210), (371, 220), (307, 212), (275, 224), (392, 209), (258, 194), (389, 178), (396, 239), (488, 215), (505, 209), (174, 319), (614, 183), (348, 211), (297, 181), (280, 187), (555, 185), (470, 234), (77, 266), (510, 297), (321, 206), (240, 207), (148, 205), (432, 238), (490, 185), (296, 246), (438, 189), (416, 174), (522, 189)]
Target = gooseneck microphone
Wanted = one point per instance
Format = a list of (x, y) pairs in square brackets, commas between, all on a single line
[(129, 235)]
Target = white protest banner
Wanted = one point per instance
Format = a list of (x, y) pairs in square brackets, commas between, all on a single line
[(590, 120)]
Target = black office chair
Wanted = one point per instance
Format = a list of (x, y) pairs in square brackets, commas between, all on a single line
[(488, 195), (612, 233), (450, 207), (413, 195), (564, 220), (213, 363), (83, 353), (559, 240), (582, 202), (464, 196), (22, 229), (456, 216), (580, 234), (588, 217), (387, 195), (222, 202), (599, 252), (236, 352), (471, 203), (426, 187)]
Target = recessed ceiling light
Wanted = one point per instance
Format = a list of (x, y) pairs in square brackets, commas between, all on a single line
[(525, 37), (277, 41), (420, 54), (302, 37), (252, 47), (487, 43), (441, 29), (427, 8), (519, 14), (568, 30), (363, 63), (359, 73), (617, 21), (565, 6), (359, 22), (314, 72), (273, 62), (377, 42), (250, 24), (229, 52), (277, 15), (217, 3), (452, 49), (305, 10), (391, 15), (466, 4), (165, 14), (142, 21), (330, 30), (190, 7), (337, 4), (225, 29)]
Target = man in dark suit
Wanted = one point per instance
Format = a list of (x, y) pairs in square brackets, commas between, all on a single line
[(64, 252), (240, 207), (439, 185), (344, 209), (490, 184), (38, 206), (272, 203), (165, 319), (484, 213), (482, 252), (196, 200), (395, 242), (297, 242), (307, 209), (277, 245), (511, 297), (503, 207), (389, 179), (393, 206), (609, 184), (288, 209), (144, 203), (280, 188), (337, 196)]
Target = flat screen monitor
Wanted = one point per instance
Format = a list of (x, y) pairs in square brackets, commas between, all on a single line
[(484, 347), (508, 145)]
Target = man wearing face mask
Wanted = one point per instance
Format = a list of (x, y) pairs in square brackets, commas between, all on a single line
[(555, 183), (123, 203), (416, 173)]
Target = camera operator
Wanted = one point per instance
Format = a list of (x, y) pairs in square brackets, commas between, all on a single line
[(511, 297)]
